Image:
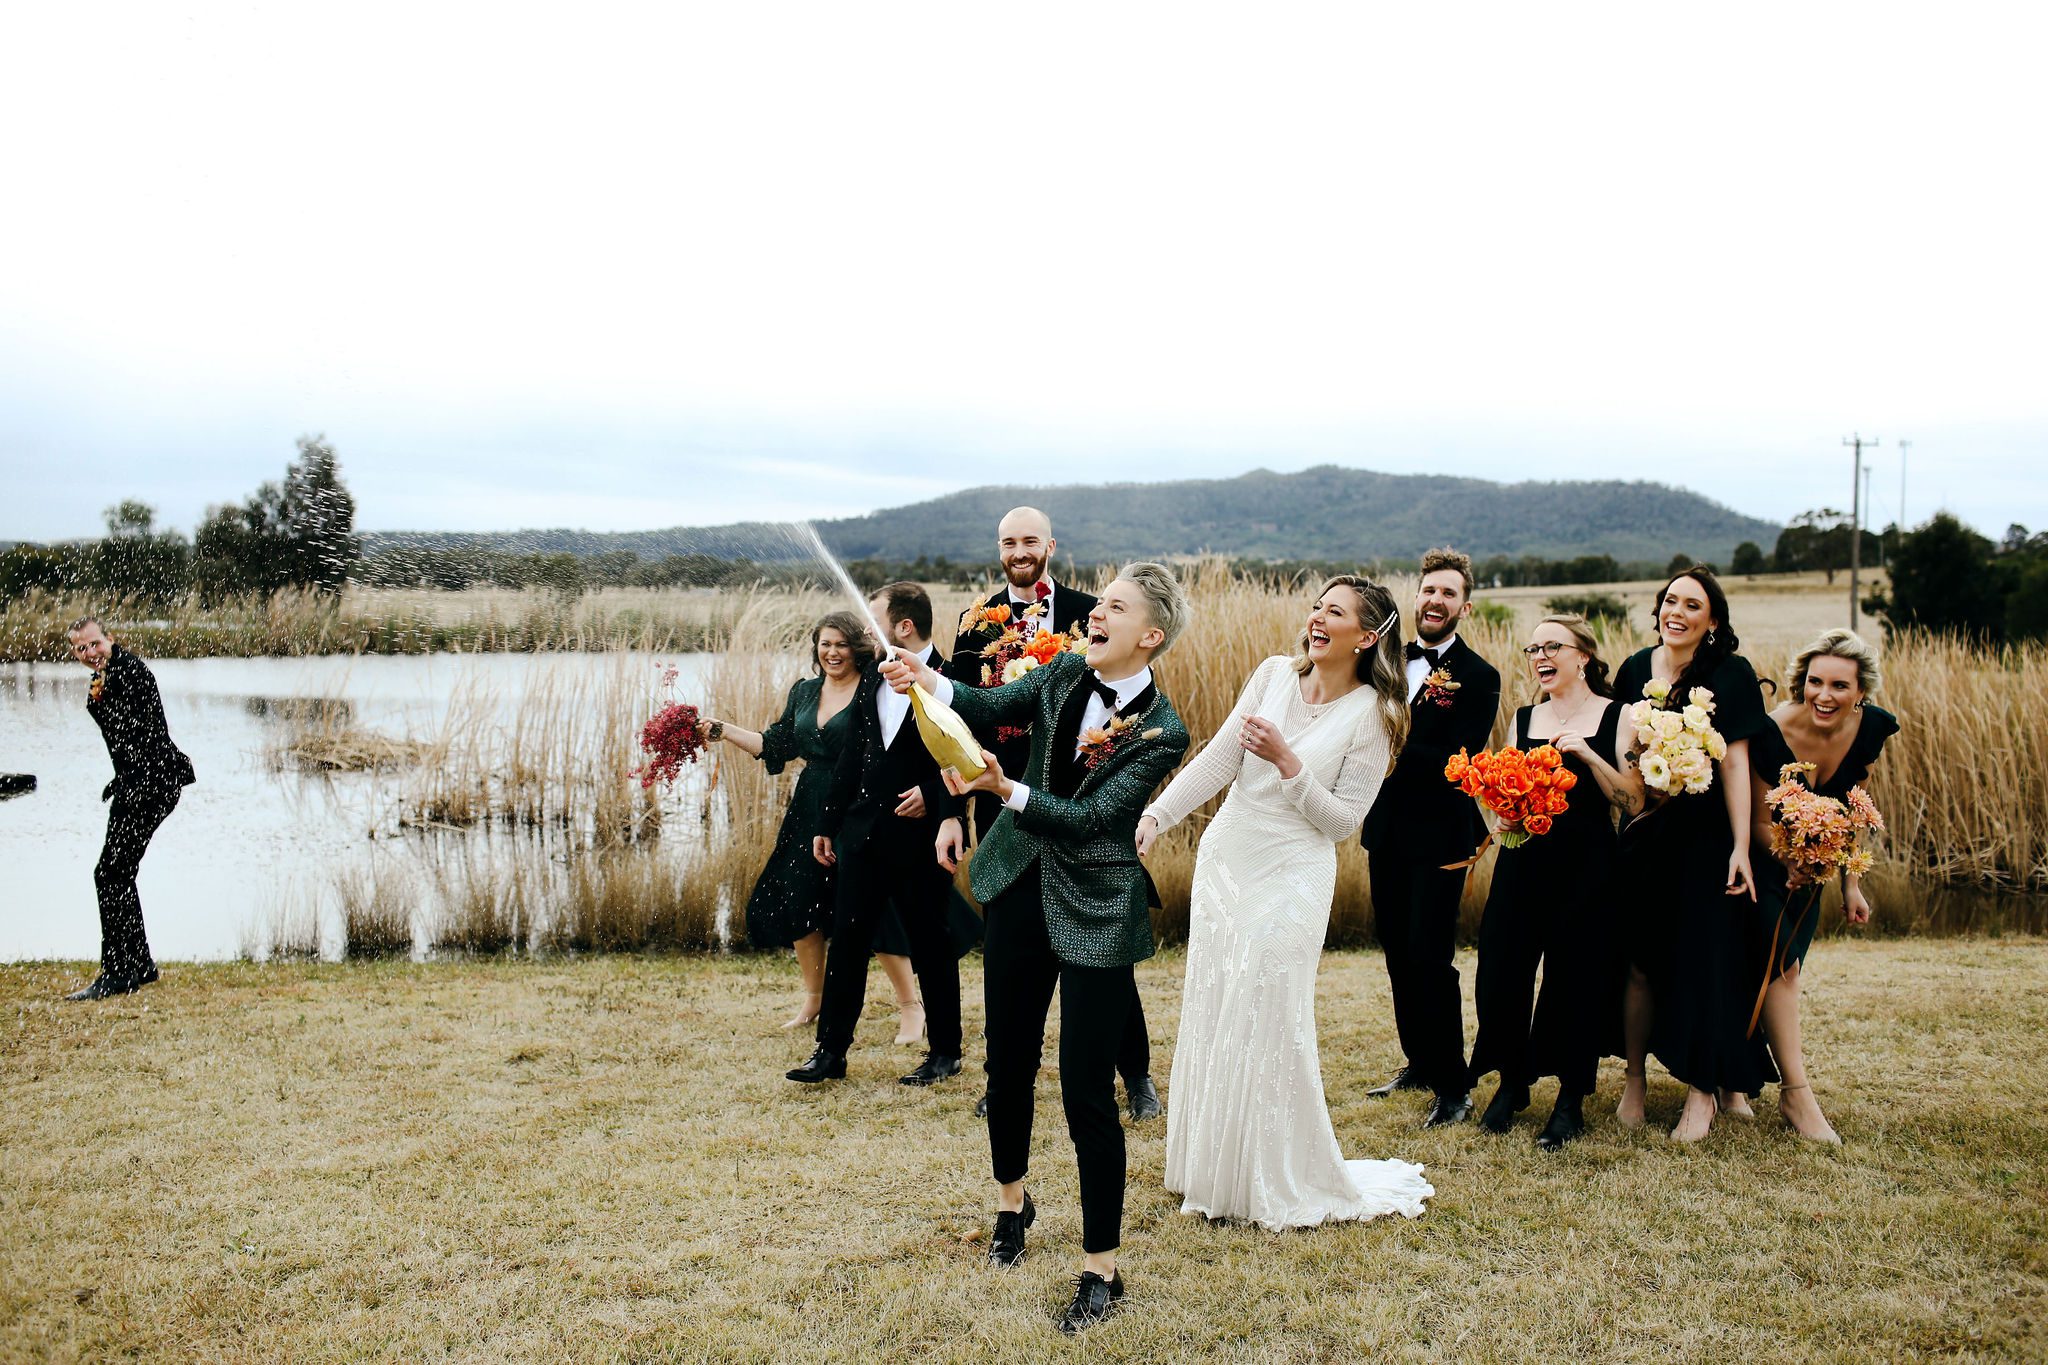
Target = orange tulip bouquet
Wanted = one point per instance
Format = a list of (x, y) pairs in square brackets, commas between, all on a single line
[(1525, 791)]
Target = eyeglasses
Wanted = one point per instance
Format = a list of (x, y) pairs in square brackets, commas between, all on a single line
[(1548, 649)]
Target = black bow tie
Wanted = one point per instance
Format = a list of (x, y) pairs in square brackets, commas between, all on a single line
[(1416, 651), (1104, 691)]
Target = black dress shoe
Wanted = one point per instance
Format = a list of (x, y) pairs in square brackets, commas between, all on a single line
[(1448, 1109), (981, 1105), (1094, 1299), (1006, 1244), (1567, 1121), (1144, 1099), (1404, 1079), (935, 1067), (1508, 1101), (147, 976), (824, 1065), (103, 987)]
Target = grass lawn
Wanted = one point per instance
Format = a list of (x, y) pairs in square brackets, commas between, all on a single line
[(600, 1160)]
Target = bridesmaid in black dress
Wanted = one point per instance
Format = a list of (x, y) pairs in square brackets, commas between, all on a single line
[(1689, 980), (791, 904), (1827, 720), (1550, 898)]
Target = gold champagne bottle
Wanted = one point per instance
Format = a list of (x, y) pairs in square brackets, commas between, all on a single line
[(946, 736)]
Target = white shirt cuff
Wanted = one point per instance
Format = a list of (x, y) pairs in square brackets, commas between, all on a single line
[(1019, 795), (943, 693)]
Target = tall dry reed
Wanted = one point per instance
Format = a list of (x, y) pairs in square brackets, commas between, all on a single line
[(379, 621), (377, 905)]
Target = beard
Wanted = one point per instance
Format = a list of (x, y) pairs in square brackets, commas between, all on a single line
[(1023, 575), (1430, 634)]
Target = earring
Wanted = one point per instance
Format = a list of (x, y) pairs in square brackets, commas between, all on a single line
[(1582, 670), (1710, 637)]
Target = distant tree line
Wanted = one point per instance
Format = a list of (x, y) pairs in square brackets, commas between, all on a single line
[(298, 532), (1946, 577)]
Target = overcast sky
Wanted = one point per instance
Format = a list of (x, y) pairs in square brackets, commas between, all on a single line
[(639, 266)]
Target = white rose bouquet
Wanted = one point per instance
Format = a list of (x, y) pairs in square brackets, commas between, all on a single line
[(1679, 745)]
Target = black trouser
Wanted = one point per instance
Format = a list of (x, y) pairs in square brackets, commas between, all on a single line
[(1415, 909), (1017, 988), (1134, 1058), (132, 821), (898, 863), (1523, 1035)]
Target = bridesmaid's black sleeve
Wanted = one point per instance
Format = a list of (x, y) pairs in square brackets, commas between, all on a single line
[(1738, 700), (778, 741), (1769, 753), (1631, 677)]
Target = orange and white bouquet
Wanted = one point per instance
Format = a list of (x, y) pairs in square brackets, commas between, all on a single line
[(1525, 791), (1817, 837), (1016, 642), (1679, 745)]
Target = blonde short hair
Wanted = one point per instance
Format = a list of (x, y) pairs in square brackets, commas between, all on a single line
[(1835, 644), (1166, 604)]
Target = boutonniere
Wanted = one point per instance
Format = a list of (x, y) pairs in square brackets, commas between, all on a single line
[(1100, 742), (1439, 688), (99, 683)]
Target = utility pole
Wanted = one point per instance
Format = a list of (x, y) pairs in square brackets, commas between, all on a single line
[(1859, 441), (1902, 485), (1869, 512)]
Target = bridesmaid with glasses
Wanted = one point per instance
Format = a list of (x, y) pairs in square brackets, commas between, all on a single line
[(1549, 901)]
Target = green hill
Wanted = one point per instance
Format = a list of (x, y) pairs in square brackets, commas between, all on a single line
[(1322, 513)]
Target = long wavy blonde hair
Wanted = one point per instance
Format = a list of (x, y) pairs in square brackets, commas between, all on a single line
[(1384, 667)]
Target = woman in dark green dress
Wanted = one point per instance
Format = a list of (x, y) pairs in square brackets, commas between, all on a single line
[(791, 904), (1689, 979), (1550, 901), (1827, 720)]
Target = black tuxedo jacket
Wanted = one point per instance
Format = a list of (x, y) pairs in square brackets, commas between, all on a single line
[(130, 714), (870, 776), (1419, 816), (1070, 607)]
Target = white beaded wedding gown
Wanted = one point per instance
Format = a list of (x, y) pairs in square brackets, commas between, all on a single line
[(1248, 1133)]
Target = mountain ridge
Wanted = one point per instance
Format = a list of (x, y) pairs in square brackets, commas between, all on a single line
[(1326, 512)]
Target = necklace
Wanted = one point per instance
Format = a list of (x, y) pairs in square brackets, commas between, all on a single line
[(1571, 722)]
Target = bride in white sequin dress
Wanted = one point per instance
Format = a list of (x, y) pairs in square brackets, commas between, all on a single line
[(1248, 1132)]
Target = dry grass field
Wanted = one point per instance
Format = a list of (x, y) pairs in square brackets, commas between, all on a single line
[(597, 1159), (1774, 613)]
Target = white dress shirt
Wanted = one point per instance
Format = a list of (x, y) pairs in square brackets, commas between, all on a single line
[(1093, 716), (892, 706), (1420, 669)]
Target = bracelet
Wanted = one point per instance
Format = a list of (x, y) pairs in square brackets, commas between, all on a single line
[(714, 732)]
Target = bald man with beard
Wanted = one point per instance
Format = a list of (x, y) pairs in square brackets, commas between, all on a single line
[(1024, 546)]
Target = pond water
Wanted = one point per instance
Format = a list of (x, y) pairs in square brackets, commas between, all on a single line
[(252, 839), (253, 854)]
